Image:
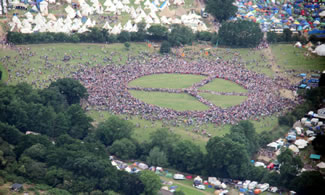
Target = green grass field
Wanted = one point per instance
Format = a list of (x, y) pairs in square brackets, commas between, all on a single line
[(223, 101), (171, 81), (221, 85), (176, 101), (81, 54), (289, 57)]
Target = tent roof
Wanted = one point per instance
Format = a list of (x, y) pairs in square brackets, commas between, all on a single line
[(314, 156)]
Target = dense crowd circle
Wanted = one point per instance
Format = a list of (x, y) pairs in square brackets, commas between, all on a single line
[(108, 89)]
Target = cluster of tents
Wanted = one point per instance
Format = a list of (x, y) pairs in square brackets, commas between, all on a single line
[(78, 16), (291, 14)]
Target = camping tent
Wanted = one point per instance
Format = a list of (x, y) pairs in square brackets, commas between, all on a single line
[(294, 148), (320, 50), (301, 143), (321, 165)]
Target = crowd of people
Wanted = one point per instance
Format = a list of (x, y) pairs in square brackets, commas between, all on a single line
[(108, 89)]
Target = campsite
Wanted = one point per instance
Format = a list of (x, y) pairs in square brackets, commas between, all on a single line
[(162, 97)]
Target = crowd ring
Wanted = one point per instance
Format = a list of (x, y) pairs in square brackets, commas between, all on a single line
[(108, 89)]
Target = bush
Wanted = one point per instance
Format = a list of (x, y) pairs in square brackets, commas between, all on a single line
[(204, 36), (165, 47), (124, 36), (180, 35)]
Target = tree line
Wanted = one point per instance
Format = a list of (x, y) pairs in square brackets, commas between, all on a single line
[(72, 156)]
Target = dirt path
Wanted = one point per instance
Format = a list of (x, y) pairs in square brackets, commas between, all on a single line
[(278, 72)]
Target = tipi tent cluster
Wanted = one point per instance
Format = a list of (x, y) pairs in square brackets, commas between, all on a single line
[(79, 20)]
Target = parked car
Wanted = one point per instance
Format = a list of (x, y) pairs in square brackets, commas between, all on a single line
[(252, 185), (246, 183)]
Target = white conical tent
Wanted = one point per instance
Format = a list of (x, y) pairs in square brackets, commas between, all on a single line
[(51, 17), (107, 26), (116, 30), (26, 27), (126, 2), (44, 8), (147, 4), (70, 12), (134, 28), (320, 50), (83, 29), (119, 5), (128, 26), (137, 2), (164, 20), (108, 3), (29, 16), (133, 13)]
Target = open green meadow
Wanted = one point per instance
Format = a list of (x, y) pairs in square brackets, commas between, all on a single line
[(289, 57), (46, 61), (221, 85), (224, 101), (170, 81)]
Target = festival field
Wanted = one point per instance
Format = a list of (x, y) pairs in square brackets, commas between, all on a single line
[(46, 62)]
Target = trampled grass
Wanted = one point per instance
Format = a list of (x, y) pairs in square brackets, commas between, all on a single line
[(221, 85), (289, 57), (224, 101), (176, 101), (171, 81)]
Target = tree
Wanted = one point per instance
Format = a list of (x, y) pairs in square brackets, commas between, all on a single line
[(123, 148), (165, 47), (180, 35), (272, 37), (157, 158), (226, 158), (287, 35), (72, 89), (158, 32), (245, 134), (240, 33), (319, 144), (113, 129), (221, 9), (309, 182), (290, 166), (80, 123), (124, 36), (186, 156), (127, 46), (163, 139), (36, 152), (151, 182)]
